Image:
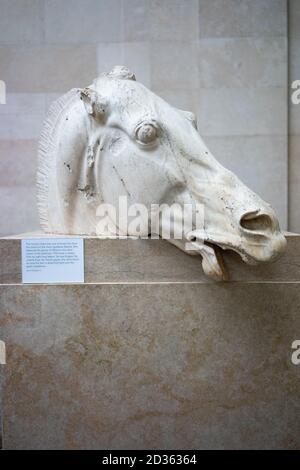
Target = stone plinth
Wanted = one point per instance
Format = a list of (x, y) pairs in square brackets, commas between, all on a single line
[(149, 353)]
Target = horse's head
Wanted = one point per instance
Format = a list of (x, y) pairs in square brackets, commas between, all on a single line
[(141, 147)]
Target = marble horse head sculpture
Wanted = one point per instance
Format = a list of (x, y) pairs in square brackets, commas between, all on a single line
[(116, 138)]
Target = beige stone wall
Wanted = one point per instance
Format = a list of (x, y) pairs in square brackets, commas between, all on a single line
[(294, 118), (224, 59)]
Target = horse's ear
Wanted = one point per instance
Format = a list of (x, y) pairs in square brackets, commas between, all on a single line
[(94, 104)]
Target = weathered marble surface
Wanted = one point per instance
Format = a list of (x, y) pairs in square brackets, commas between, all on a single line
[(117, 139), (151, 366), (137, 359)]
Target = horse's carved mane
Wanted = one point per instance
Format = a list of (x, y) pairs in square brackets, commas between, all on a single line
[(46, 159)]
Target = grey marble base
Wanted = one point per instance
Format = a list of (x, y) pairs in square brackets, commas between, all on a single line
[(144, 356)]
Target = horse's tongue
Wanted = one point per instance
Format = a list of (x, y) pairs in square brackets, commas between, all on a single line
[(212, 263)]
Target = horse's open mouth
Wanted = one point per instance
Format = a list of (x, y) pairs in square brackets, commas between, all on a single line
[(212, 257), (213, 262)]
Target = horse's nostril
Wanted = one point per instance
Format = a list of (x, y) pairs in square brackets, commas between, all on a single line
[(255, 222)]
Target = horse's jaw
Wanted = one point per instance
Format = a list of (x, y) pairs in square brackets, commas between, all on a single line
[(212, 258), (252, 247), (212, 262), (211, 248)]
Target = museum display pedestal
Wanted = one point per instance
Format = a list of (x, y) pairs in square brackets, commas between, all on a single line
[(148, 353)]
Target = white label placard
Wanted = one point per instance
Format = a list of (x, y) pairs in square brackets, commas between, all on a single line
[(52, 260), (2, 353)]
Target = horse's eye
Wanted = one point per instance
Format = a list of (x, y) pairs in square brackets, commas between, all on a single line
[(146, 134)]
